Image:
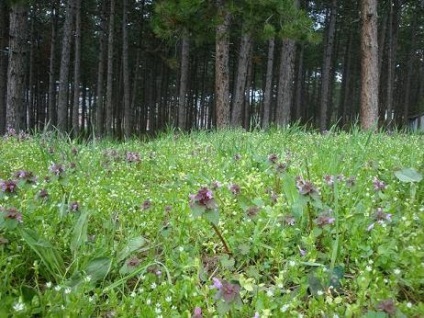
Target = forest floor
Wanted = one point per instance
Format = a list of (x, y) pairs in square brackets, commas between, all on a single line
[(213, 224)]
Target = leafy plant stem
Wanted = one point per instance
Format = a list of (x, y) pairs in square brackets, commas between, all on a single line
[(218, 232)]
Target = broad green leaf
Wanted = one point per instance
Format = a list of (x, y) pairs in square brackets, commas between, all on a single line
[(130, 247), (98, 268), (408, 175), (315, 285), (227, 262), (79, 232), (212, 216)]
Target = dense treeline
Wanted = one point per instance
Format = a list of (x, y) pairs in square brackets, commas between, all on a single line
[(138, 66)]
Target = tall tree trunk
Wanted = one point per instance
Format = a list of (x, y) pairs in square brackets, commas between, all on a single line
[(16, 67), (4, 29), (299, 84), (52, 112), (268, 83), (369, 66), (99, 103), (109, 85), (241, 78), (285, 84), (222, 72), (128, 111), (77, 70), (326, 80), (184, 70), (63, 106)]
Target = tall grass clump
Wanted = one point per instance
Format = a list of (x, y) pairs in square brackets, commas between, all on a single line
[(285, 223)]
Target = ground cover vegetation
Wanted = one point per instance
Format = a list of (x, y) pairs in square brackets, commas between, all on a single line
[(213, 224)]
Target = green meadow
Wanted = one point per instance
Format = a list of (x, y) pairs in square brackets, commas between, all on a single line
[(285, 223)]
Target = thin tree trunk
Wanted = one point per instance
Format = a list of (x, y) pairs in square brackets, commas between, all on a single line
[(63, 106), (285, 84), (4, 29), (299, 85), (268, 84), (241, 78), (16, 67), (327, 65), (52, 112), (77, 70), (109, 85), (128, 116), (99, 104), (222, 72), (369, 66), (184, 70)]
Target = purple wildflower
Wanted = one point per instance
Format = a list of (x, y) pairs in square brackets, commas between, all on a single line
[(378, 184), (351, 181), (216, 283), (74, 206), (197, 313), (43, 194), (132, 157), (8, 186), (203, 198), (229, 292), (387, 306), (147, 204), (133, 262), (324, 219), (281, 167), (13, 214), (273, 158), (25, 175), (380, 215), (252, 211), (237, 157), (215, 185), (57, 169), (305, 187), (235, 189), (329, 180)]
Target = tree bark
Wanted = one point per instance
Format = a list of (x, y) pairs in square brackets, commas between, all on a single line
[(222, 72), (16, 67), (369, 66), (184, 70), (77, 71), (4, 29), (268, 84), (63, 106), (128, 111), (52, 111), (285, 84), (326, 79), (241, 79), (109, 85)]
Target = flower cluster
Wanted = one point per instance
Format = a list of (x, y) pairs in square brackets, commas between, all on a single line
[(203, 199), (228, 292), (8, 186), (305, 188)]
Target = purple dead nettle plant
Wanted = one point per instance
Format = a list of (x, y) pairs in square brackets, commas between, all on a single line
[(147, 204), (378, 184), (234, 188), (203, 204), (74, 206), (329, 180), (228, 292), (325, 218), (24, 175), (310, 192), (43, 194), (197, 313), (132, 157), (8, 186), (57, 169), (380, 217), (12, 214)]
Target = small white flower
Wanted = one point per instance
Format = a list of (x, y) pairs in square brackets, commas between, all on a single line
[(292, 263), (133, 294), (148, 301), (396, 271), (158, 310), (409, 305), (87, 278), (49, 284), (57, 288), (67, 290), (269, 293), (284, 308), (168, 299), (320, 292), (153, 285), (19, 306), (368, 268), (181, 249)]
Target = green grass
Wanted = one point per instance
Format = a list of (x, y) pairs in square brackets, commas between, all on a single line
[(116, 233)]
